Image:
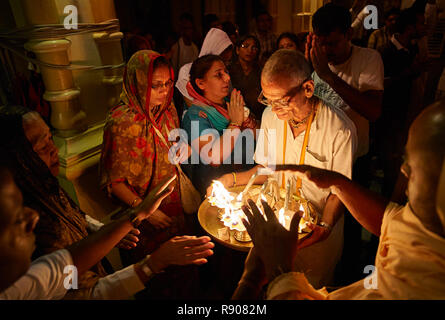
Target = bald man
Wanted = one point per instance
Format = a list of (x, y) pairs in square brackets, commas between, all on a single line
[(410, 262)]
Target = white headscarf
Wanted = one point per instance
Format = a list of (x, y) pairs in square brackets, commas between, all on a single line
[(215, 42)]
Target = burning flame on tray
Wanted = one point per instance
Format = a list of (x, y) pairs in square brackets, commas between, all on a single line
[(233, 213), (231, 204)]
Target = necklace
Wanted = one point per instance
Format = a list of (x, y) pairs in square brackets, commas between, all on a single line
[(296, 124)]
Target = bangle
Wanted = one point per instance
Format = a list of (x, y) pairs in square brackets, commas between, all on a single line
[(234, 179), (326, 225), (132, 204)]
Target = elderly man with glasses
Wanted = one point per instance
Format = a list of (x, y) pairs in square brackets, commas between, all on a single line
[(298, 128)]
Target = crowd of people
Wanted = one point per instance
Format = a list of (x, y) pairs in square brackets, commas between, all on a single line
[(321, 108)]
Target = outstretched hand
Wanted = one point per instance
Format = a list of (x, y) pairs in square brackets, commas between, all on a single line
[(181, 250), (317, 234), (321, 178), (152, 201), (276, 246)]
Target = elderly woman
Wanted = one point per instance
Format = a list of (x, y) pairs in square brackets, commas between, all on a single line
[(26, 145), (209, 116), (245, 72), (134, 156)]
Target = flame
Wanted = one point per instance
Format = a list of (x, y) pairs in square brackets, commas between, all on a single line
[(233, 213), (303, 222), (281, 218), (220, 197)]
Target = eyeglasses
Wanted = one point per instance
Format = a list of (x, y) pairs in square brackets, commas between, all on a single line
[(167, 85), (284, 101), (245, 46)]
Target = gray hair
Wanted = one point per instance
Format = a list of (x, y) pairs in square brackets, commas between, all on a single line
[(288, 64)]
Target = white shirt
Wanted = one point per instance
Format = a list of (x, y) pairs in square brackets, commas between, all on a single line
[(362, 71), (45, 278), (332, 144)]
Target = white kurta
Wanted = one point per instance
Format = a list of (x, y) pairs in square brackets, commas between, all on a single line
[(45, 280), (364, 72), (332, 145)]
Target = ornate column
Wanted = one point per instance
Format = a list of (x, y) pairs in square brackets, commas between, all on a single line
[(66, 114), (110, 51), (109, 47)]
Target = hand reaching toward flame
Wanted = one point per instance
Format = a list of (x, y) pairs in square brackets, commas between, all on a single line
[(323, 179), (181, 250), (275, 246), (318, 234)]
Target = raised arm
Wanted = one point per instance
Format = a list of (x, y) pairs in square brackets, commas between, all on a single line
[(367, 103)]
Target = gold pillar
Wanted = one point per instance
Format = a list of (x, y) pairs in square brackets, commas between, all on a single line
[(110, 51), (66, 114), (40, 11), (103, 10), (109, 47)]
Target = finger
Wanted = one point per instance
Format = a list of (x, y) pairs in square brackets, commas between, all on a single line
[(132, 238), (190, 242), (295, 222), (250, 230), (161, 197), (167, 219), (246, 224), (200, 248), (121, 246), (309, 240), (271, 217), (301, 171), (163, 185), (165, 223), (135, 231), (200, 255), (251, 219), (127, 243), (199, 262), (256, 212)]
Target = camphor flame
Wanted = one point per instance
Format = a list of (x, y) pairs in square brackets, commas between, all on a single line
[(220, 197), (281, 218), (303, 222), (233, 213)]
